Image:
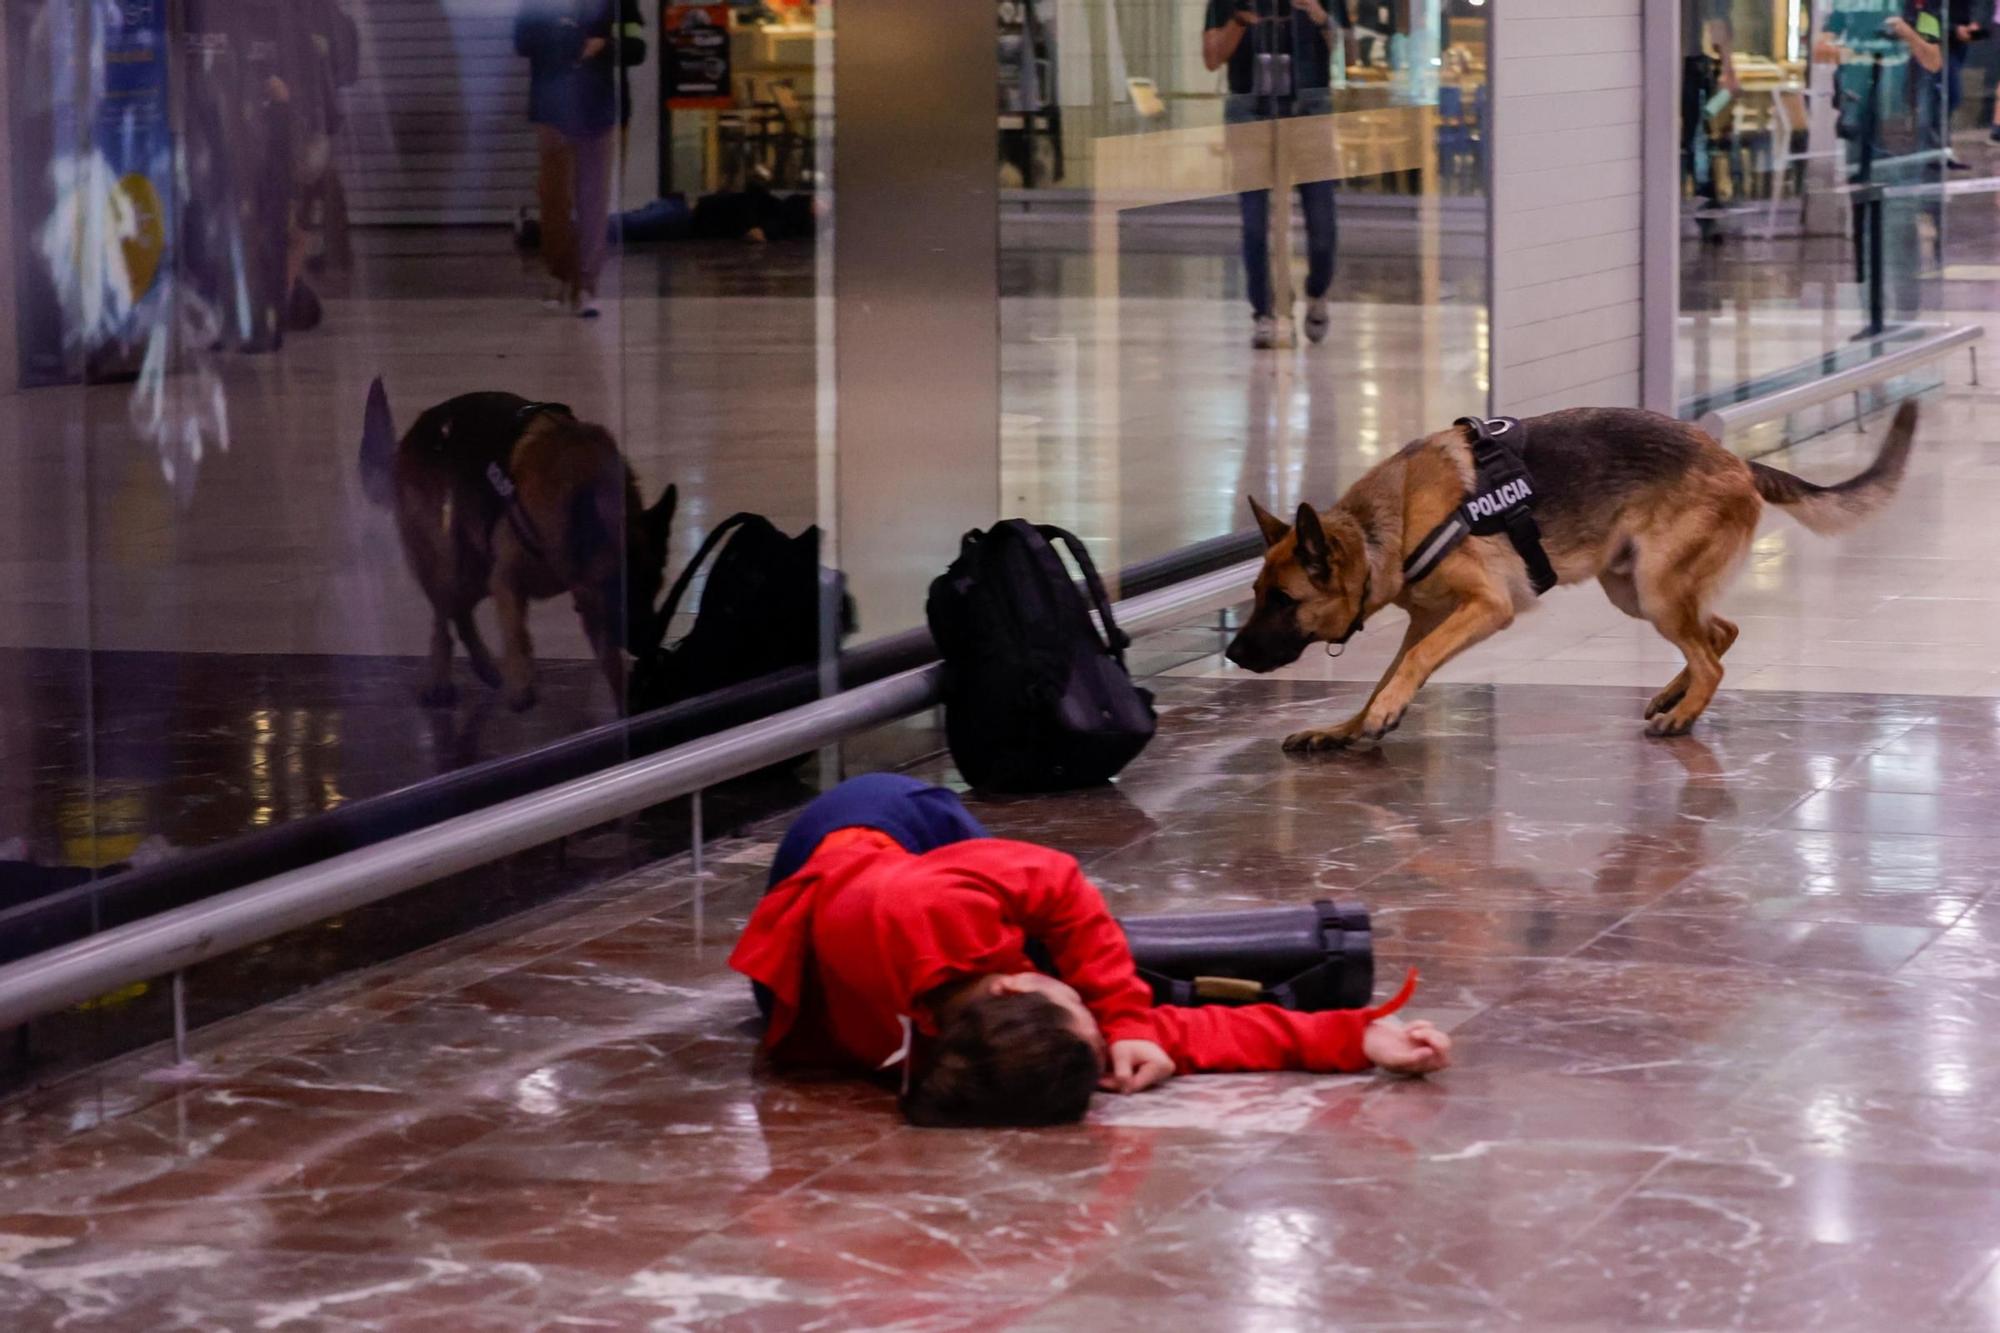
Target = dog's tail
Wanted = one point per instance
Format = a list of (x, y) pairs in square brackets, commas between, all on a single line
[(378, 446), (1830, 510)]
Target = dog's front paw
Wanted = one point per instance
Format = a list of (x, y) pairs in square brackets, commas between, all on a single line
[(438, 694), (1380, 720), (1305, 742), (1671, 724), (521, 699)]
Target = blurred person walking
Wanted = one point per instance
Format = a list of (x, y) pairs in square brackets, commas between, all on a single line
[(578, 53)]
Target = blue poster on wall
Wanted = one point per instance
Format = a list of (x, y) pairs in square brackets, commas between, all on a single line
[(133, 133), (93, 184)]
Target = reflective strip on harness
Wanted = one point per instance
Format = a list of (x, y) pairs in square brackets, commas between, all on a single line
[(1502, 500)]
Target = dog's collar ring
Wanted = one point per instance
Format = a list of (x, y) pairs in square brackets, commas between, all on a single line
[(1335, 649)]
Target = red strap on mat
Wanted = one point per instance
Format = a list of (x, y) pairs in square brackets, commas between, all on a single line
[(1396, 1001)]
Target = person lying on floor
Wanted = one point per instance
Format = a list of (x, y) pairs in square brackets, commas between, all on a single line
[(897, 933)]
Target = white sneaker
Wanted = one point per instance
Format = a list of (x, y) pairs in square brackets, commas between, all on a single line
[(557, 298), (1318, 319), (1265, 334), (587, 307)]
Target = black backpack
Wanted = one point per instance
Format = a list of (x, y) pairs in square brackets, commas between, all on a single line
[(760, 613), (1035, 700)]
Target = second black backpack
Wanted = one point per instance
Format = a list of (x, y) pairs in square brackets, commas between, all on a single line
[(1035, 699), (760, 613)]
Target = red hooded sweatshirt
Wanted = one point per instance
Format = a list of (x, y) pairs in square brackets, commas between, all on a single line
[(852, 944)]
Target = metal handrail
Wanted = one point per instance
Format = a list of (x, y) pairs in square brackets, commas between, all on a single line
[(171, 942), (1720, 421)]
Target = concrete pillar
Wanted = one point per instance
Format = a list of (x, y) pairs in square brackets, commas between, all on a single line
[(916, 324)]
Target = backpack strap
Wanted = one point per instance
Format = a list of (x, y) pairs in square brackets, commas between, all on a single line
[(1117, 640), (708, 545), (1172, 991)]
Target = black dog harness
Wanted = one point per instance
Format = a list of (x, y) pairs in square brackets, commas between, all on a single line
[(509, 496), (1502, 500)]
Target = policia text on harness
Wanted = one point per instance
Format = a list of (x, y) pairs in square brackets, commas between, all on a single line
[(1502, 500)]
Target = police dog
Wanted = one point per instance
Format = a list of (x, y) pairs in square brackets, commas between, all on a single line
[(1654, 509), (496, 494)]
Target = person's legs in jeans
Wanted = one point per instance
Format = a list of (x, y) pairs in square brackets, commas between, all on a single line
[(1930, 109), (1256, 207), (1322, 234), (556, 188), (1954, 85), (595, 155)]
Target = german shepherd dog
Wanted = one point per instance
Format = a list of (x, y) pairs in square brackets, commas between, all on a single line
[(497, 495), (1654, 509)]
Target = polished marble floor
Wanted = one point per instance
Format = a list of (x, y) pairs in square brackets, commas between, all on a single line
[(1726, 1008)]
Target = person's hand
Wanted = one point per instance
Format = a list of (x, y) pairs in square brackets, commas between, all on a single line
[(1963, 33), (1136, 1066), (1418, 1048), (1313, 10), (276, 89), (595, 47), (1895, 27)]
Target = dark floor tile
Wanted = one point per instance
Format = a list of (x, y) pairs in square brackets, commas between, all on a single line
[(1654, 935), (1786, 1243), (1964, 959), (1977, 1310), (1651, 1022), (990, 1216), (1843, 875), (195, 1288), (1478, 930), (614, 1229), (1934, 814), (1359, 1229), (1501, 862), (1930, 759)]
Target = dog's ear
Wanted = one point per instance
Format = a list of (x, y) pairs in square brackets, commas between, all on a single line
[(378, 445), (1315, 550), (1269, 524), (659, 519)]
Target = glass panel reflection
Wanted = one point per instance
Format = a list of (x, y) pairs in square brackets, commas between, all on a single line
[(374, 369), (1170, 338), (1813, 151)]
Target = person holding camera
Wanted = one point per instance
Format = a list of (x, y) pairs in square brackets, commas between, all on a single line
[(1280, 58)]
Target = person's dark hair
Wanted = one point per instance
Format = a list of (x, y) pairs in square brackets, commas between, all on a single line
[(1004, 1060)]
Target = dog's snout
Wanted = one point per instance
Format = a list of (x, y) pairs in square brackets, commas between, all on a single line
[(1252, 652)]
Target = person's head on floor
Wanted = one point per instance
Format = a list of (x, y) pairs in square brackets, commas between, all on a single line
[(1012, 1050)]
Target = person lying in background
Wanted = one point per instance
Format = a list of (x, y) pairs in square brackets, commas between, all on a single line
[(897, 937)]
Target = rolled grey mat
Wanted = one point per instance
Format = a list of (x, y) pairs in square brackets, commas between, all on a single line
[(1320, 956)]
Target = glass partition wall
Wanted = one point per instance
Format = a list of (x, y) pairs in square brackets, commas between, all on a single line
[(1243, 250), (1814, 154), (372, 378)]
